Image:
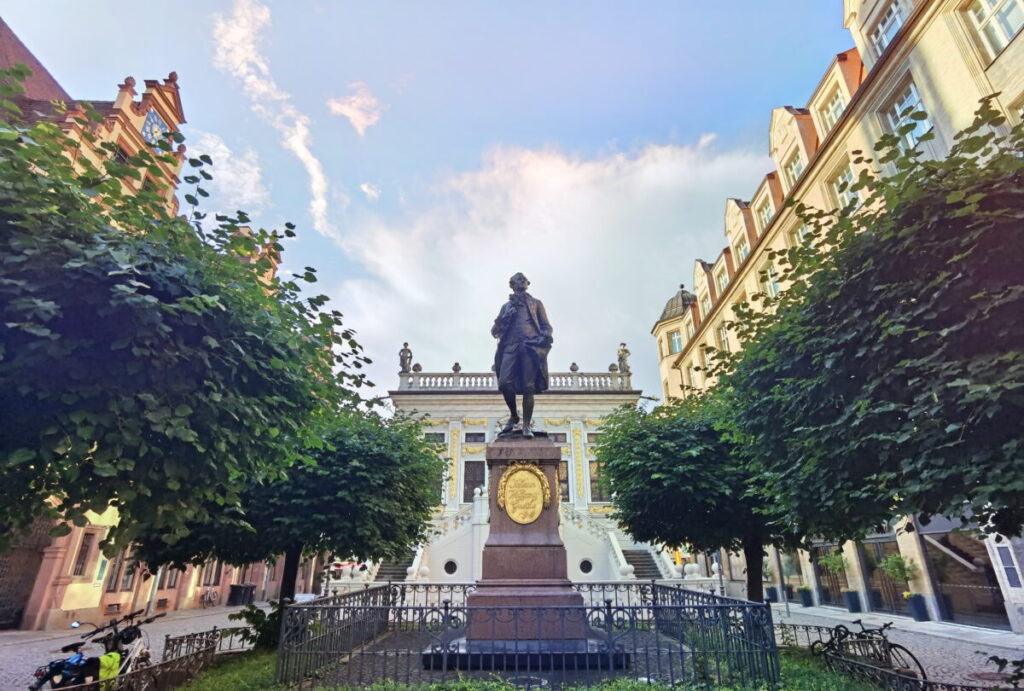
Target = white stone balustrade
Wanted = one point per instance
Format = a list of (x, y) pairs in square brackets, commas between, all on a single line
[(486, 381)]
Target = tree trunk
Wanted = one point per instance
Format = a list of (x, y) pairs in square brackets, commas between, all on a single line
[(292, 555), (753, 552)]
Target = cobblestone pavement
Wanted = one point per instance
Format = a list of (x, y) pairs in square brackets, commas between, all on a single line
[(21, 652), (945, 658)]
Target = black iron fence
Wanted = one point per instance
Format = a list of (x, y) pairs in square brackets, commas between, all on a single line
[(224, 640), (422, 634)]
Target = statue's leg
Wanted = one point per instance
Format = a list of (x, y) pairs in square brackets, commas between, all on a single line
[(527, 414), (509, 393)]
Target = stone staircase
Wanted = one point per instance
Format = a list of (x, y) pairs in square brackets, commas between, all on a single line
[(644, 566), (394, 570)]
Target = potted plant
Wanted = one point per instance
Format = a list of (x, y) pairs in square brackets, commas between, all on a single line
[(806, 599), (852, 599), (915, 602), (899, 568)]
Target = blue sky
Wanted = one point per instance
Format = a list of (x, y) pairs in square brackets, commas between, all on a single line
[(427, 151)]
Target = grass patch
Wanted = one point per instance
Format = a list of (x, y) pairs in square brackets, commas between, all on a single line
[(254, 671), (251, 671)]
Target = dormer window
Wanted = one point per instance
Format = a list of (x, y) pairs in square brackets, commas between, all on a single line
[(705, 306), (794, 167), (832, 109), (722, 280), (764, 214), (887, 27), (997, 22), (742, 250)]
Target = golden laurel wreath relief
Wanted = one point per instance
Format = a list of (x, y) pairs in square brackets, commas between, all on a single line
[(523, 492)]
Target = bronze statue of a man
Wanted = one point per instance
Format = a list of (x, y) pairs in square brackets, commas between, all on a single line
[(521, 361)]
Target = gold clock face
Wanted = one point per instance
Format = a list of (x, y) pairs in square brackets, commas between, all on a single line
[(524, 492)]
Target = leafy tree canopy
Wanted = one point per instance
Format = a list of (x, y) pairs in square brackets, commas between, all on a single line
[(888, 378), (677, 481), (145, 364), (369, 495)]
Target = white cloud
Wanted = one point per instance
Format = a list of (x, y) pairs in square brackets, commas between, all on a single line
[(361, 108), (371, 191), (605, 242), (236, 52), (237, 177)]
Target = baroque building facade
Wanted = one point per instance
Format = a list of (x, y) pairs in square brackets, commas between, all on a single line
[(939, 56), (49, 582), (463, 412)]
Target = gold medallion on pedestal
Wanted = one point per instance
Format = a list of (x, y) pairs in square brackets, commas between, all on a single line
[(523, 492)]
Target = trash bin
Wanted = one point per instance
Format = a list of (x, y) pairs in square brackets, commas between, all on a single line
[(250, 594), (237, 595)]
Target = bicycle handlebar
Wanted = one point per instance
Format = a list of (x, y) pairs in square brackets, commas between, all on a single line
[(114, 622)]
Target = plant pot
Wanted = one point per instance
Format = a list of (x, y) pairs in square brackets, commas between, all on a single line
[(806, 599), (789, 592), (852, 600), (918, 610), (771, 593)]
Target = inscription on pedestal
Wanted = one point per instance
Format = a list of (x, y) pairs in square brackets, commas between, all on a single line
[(524, 492)]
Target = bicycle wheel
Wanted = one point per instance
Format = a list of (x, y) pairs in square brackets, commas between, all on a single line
[(904, 661), (214, 596), (817, 648)]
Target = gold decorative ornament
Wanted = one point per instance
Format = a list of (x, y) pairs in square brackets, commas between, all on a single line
[(523, 492), (474, 421), (472, 449), (556, 421), (565, 450), (594, 423), (453, 454), (601, 509), (577, 437)]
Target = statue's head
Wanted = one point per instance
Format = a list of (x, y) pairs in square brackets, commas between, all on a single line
[(405, 345), (622, 345), (518, 282)]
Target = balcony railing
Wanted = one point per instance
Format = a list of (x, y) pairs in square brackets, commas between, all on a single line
[(486, 381)]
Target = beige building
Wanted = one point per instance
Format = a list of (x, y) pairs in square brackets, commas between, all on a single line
[(940, 56)]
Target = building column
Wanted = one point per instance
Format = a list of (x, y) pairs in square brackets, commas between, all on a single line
[(45, 591), (578, 465), (909, 543), (856, 577), (810, 575), (454, 464)]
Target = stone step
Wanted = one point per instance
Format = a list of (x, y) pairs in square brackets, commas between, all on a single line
[(642, 561)]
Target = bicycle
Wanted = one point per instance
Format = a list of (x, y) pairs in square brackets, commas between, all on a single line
[(126, 649), (873, 644), (209, 598)]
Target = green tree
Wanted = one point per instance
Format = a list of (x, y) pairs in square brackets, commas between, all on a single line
[(889, 377), (677, 481), (369, 495), (145, 363)]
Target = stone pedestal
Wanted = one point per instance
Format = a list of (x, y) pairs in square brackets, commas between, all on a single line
[(524, 561), (525, 614)]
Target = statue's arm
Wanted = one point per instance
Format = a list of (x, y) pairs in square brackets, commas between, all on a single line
[(545, 325), (499, 322)]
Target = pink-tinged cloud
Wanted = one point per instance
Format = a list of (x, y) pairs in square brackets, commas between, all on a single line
[(361, 107)]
